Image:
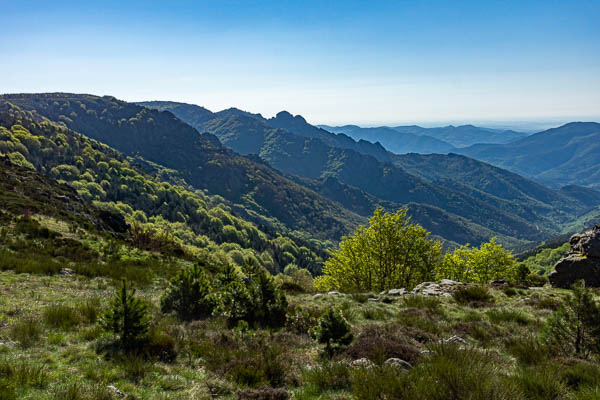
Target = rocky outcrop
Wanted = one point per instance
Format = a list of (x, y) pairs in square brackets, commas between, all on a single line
[(582, 262)]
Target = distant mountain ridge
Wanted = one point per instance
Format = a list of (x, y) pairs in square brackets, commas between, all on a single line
[(567, 155), (405, 139), (395, 141)]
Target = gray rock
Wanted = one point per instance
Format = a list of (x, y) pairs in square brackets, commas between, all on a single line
[(316, 296), (398, 362), (113, 390), (66, 271), (361, 363), (334, 293), (582, 262), (397, 292), (373, 299), (454, 339), (443, 288)]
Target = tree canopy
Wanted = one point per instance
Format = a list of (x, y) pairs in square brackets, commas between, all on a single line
[(390, 252)]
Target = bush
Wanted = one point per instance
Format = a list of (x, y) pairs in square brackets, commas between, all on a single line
[(473, 295), (417, 301), (187, 295), (575, 327), (580, 374), (528, 350), (540, 383), (334, 331), (536, 280), (452, 372), (26, 331), (301, 320), (160, 346), (127, 318), (257, 300), (385, 382), (506, 315), (378, 344), (265, 393), (61, 317), (328, 375)]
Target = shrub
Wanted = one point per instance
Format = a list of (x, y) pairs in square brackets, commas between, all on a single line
[(257, 301), (528, 350), (300, 320), (127, 318), (580, 374), (160, 346), (507, 315), (89, 310), (378, 344), (187, 295), (334, 331), (328, 375), (473, 295), (575, 327), (264, 393), (26, 331), (427, 302), (452, 372), (385, 382), (61, 317), (536, 280), (540, 383)]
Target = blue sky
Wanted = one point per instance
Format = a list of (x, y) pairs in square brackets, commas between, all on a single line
[(365, 62)]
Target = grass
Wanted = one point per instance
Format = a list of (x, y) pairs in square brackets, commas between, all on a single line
[(53, 320)]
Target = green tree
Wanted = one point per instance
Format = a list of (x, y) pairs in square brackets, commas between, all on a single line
[(127, 317), (188, 295), (480, 265), (255, 299), (575, 327), (334, 331), (389, 252)]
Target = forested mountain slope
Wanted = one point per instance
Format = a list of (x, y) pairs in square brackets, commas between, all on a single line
[(122, 185), (465, 135), (566, 155), (456, 184), (263, 194)]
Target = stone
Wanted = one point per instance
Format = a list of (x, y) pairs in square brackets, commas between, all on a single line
[(398, 362), (361, 363), (373, 299), (397, 292), (443, 288), (581, 263), (112, 389), (334, 293), (66, 271), (316, 296), (454, 339)]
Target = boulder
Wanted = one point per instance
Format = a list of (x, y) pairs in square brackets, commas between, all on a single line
[(397, 292), (66, 271), (582, 261), (443, 288), (361, 363), (398, 362)]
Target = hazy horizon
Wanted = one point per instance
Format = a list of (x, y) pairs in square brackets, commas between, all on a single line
[(334, 63)]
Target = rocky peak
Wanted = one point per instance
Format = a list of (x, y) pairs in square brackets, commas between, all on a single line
[(582, 262)]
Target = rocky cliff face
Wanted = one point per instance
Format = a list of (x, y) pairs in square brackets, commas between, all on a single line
[(582, 262)]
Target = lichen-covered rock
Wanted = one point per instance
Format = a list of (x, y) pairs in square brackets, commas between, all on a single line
[(443, 288), (582, 262)]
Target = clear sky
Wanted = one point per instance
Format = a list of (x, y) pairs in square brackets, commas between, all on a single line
[(365, 62)]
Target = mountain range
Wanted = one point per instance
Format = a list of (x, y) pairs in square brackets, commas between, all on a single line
[(466, 191), (567, 155)]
